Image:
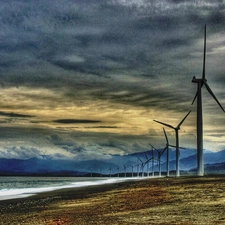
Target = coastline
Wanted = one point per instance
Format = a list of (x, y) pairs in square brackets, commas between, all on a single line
[(184, 200), (24, 192)]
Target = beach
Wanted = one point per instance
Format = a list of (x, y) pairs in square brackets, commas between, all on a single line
[(183, 200)]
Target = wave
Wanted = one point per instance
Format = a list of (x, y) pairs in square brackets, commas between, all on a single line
[(13, 193)]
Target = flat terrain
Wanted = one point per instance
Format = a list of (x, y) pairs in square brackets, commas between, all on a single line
[(183, 200)]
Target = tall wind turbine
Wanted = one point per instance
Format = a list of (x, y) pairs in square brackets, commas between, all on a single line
[(158, 159), (153, 159), (177, 128), (147, 162), (200, 82), (167, 153)]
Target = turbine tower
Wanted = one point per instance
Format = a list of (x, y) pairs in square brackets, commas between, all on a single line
[(153, 159), (142, 166), (200, 82), (167, 154), (177, 128), (147, 162)]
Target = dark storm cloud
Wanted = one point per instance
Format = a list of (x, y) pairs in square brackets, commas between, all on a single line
[(14, 115), (138, 53), (71, 121), (103, 34)]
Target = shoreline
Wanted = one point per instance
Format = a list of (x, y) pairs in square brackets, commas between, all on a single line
[(183, 200), (28, 192)]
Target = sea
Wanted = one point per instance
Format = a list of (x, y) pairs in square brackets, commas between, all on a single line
[(21, 187)]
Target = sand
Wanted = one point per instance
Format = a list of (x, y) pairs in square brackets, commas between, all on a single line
[(183, 200)]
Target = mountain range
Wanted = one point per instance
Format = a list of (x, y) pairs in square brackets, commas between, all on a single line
[(214, 163)]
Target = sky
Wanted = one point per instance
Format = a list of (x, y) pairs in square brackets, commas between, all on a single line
[(84, 79)]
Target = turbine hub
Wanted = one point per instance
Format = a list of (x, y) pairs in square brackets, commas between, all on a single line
[(196, 80)]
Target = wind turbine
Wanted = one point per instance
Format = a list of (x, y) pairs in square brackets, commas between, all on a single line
[(176, 129), (167, 153), (159, 158), (118, 171), (153, 158), (200, 82), (91, 171), (147, 162), (125, 170), (132, 171), (142, 166), (137, 168), (110, 170)]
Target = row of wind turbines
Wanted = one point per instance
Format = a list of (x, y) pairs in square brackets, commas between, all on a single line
[(141, 163), (200, 161), (200, 83)]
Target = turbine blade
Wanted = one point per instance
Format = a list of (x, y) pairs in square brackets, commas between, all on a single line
[(195, 98), (203, 71), (152, 146), (163, 150), (150, 159), (168, 125), (210, 91), (183, 119), (172, 146), (146, 156), (140, 160), (165, 136)]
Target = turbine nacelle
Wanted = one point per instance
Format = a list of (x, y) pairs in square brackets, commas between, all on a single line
[(199, 80)]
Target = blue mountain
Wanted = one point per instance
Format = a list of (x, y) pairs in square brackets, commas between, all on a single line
[(214, 161)]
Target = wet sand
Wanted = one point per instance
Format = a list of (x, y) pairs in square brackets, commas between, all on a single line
[(183, 200)]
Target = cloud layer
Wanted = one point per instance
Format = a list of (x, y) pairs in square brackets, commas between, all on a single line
[(97, 69)]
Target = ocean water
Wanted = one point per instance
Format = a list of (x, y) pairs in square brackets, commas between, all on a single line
[(20, 187)]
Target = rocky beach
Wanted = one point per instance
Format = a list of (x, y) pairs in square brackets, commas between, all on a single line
[(183, 200)]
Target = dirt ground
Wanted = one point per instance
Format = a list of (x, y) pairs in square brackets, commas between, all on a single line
[(183, 200)]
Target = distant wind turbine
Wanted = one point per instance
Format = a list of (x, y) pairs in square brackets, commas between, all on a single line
[(200, 82), (167, 154), (159, 158), (125, 170), (118, 170), (132, 171), (177, 128), (91, 171), (147, 162), (110, 170), (153, 159), (137, 168), (142, 166)]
